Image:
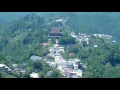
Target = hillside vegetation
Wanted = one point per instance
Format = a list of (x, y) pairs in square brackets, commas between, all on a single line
[(92, 22), (24, 36)]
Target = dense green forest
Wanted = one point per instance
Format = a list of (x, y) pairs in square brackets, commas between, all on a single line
[(7, 17), (24, 35), (22, 39)]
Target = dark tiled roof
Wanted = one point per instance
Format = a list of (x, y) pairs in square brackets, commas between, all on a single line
[(55, 30)]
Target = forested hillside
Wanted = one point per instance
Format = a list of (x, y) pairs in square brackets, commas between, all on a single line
[(25, 34), (104, 23), (7, 17), (102, 61), (92, 22), (23, 38)]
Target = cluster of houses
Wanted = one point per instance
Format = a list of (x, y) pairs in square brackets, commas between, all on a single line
[(103, 36), (84, 37), (68, 68), (17, 69), (81, 37), (63, 21), (6, 69)]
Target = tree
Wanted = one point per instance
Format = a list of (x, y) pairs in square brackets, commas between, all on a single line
[(37, 65), (53, 40), (109, 70), (42, 75), (67, 40), (56, 74)]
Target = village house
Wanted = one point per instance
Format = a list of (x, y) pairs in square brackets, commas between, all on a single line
[(107, 36), (22, 71), (4, 68), (15, 65), (35, 58), (69, 65), (61, 49), (86, 40), (71, 54), (61, 20), (72, 34), (46, 44), (59, 68), (49, 73), (83, 65), (53, 64), (77, 60), (95, 45), (34, 75), (103, 36), (63, 63), (77, 72), (75, 66), (74, 76), (114, 41), (56, 46), (52, 50)]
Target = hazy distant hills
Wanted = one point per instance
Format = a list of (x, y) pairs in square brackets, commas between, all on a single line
[(11, 16), (6, 17)]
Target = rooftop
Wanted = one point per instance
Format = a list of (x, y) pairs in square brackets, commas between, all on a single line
[(49, 73), (14, 65), (35, 58), (55, 30), (2, 65), (71, 54), (74, 76), (34, 75)]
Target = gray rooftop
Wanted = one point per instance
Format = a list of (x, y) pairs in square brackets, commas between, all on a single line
[(49, 73), (75, 76), (69, 63), (35, 58), (78, 70)]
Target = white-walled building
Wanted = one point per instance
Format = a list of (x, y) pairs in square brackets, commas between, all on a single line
[(78, 72), (34, 75), (61, 49), (4, 68), (95, 45)]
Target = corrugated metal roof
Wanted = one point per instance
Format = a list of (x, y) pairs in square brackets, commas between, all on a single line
[(35, 58)]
